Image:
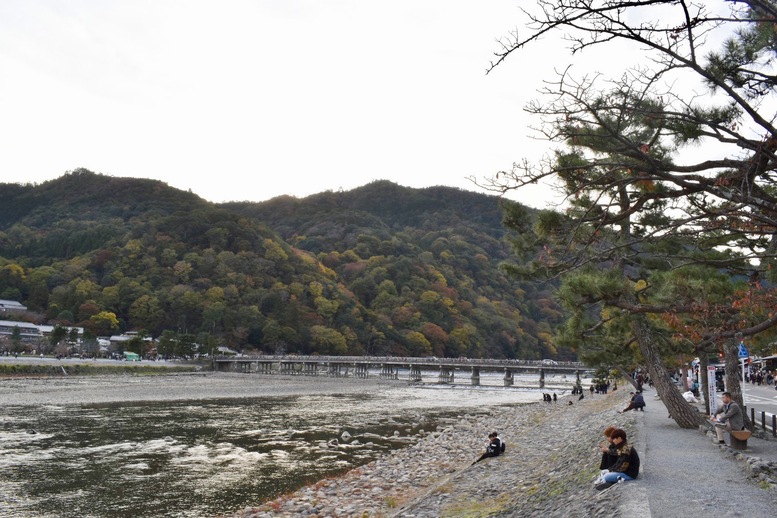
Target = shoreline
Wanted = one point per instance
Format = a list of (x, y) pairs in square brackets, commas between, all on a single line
[(169, 386), (548, 469), (127, 387)]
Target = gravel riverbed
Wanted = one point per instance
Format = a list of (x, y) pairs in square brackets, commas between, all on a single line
[(547, 470)]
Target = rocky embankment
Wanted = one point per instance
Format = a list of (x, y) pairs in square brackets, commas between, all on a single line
[(547, 470)]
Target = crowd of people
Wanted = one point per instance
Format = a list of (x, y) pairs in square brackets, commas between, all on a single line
[(759, 377), (619, 463), (619, 460)]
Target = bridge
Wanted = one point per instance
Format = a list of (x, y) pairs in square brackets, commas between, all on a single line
[(395, 368)]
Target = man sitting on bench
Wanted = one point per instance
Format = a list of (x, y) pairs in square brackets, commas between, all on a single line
[(727, 417)]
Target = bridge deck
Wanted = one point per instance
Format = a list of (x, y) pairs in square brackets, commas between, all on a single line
[(390, 367)]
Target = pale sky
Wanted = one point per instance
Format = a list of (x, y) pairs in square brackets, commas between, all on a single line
[(252, 99), (247, 100)]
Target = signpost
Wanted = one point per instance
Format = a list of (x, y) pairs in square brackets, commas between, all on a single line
[(743, 356), (712, 381)]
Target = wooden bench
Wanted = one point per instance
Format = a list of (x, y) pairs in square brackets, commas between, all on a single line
[(739, 438)]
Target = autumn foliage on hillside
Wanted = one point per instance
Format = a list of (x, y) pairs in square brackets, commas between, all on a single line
[(378, 270)]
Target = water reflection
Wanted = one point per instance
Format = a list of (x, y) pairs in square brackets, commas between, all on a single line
[(191, 458)]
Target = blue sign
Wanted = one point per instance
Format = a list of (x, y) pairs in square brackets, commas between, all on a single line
[(743, 351)]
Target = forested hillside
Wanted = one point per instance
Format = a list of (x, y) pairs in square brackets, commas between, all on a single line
[(381, 269)]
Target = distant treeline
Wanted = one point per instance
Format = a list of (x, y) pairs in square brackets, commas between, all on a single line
[(378, 270)]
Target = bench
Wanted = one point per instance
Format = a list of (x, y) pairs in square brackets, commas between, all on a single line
[(739, 438)]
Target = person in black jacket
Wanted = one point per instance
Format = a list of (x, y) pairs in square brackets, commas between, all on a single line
[(493, 448), (637, 402), (626, 466)]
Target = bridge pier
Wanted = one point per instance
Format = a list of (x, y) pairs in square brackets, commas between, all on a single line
[(542, 378), (415, 374), (360, 370), (264, 368), (288, 368), (387, 372), (475, 376), (336, 370), (310, 369), (446, 375), (508, 379)]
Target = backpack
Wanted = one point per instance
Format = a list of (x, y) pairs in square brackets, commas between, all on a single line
[(502, 446)]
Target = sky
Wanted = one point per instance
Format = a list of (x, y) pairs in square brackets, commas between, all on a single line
[(246, 100), (252, 99)]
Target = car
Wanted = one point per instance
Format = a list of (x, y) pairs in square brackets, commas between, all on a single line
[(548, 361)]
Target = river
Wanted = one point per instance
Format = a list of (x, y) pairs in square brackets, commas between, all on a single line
[(87, 454)]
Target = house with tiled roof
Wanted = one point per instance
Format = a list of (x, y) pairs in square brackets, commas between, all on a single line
[(27, 332), (11, 305)]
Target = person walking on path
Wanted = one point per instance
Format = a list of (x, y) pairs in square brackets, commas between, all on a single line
[(727, 417)]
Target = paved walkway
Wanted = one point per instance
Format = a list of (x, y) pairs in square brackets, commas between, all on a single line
[(684, 473)]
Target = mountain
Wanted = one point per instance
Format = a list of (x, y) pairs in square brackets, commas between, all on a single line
[(381, 269)]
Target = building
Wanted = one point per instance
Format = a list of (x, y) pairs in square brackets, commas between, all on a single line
[(47, 330), (33, 333), (11, 305), (767, 362), (118, 342), (27, 332)]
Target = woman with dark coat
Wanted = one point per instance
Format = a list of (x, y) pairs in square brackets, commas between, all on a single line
[(626, 465)]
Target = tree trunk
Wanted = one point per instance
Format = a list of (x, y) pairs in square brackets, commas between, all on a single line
[(679, 409), (733, 382), (627, 375)]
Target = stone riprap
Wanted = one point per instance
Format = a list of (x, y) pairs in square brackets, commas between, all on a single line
[(547, 470)]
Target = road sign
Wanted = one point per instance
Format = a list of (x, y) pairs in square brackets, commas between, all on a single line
[(712, 388), (742, 355)]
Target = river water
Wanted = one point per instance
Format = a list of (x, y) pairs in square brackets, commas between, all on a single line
[(204, 457)]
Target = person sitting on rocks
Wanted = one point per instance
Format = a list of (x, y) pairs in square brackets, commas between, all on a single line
[(502, 445), (626, 465), (637, 402), (608, 449), (493, 448)]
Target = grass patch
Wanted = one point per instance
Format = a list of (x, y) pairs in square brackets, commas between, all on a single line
[(477, 509)]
